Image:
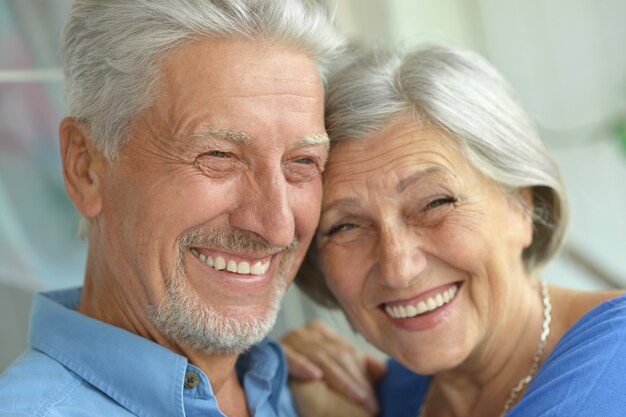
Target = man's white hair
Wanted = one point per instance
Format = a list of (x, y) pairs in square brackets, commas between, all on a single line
[(113, 49)]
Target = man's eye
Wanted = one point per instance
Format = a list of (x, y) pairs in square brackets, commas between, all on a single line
[(302, 169), (218, 154), (440, 202), (340, 228)]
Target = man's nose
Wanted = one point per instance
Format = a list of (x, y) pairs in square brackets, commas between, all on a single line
[(401, 259), (264, 208)]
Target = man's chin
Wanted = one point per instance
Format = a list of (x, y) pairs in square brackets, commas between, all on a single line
[(189, 321)]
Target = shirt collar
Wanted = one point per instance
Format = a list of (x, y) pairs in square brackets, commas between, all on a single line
[(263, 371), (142, 376), (112, 359)]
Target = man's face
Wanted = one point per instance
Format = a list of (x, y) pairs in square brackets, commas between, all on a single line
[(211, 205)]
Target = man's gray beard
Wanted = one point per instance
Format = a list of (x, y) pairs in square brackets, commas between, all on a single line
[(186, 319)]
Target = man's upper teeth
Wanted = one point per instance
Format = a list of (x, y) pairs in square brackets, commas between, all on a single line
[(430, 304), (244, 268)]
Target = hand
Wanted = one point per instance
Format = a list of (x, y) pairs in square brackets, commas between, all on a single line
[(316, 399), (315, 352)]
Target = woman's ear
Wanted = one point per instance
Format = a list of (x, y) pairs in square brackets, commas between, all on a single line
[(83, 166), (527, 202)]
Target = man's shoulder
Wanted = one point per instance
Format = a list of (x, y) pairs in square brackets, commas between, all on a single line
[(37, 385)]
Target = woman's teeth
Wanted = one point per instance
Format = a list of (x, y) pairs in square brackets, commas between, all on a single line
[(424, 306), (243, 268)]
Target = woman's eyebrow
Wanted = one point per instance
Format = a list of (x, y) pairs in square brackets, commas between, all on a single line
[(341, 202), (419, 176)]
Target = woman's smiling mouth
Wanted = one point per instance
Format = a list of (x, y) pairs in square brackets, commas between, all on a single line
[(416, 308)]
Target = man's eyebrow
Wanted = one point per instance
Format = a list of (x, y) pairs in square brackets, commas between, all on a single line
[(314, 139), (244, 137), (224, 133), (422, 175)]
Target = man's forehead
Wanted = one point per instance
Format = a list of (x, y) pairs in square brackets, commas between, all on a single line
[(251, 63)]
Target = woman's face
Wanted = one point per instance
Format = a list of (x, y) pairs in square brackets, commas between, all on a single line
[(421, 250)]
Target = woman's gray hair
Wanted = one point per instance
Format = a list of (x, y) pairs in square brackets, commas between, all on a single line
[(112, 49), (458, 91)]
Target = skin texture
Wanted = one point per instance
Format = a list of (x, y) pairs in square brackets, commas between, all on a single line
[(226, 146)]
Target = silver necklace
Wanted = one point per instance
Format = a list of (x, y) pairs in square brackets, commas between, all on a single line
[(534, 365)]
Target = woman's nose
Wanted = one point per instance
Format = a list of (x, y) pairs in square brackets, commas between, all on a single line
[(401, 259)]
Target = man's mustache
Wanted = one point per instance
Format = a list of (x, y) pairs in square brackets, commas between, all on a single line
[(232, 239)]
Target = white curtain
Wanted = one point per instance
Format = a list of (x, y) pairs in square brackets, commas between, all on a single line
[(38, 244)]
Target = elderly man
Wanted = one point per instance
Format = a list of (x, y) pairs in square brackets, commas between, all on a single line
[(193, 150)]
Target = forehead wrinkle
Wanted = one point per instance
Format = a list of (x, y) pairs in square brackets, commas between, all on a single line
[(419, 176), (274, 94), (340, 203)]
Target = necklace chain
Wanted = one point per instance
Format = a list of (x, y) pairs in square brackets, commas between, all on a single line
[(534, 365), (545, 331)]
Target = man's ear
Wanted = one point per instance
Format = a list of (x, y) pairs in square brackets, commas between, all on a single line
[(83, 166)]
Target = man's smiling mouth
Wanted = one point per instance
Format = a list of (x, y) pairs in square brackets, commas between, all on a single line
[(244, 268)]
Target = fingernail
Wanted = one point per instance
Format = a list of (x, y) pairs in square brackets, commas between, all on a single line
[(316, 372)]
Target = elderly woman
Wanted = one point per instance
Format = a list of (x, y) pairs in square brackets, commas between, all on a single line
[(440, 206)]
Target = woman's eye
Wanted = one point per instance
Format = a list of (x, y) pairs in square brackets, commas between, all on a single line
[(440, 202), (340, 228)]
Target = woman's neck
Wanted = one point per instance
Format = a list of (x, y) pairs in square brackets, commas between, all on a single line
[(481, 385)]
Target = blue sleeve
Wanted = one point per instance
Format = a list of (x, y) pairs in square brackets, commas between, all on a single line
[(401, 392), (585, 375)]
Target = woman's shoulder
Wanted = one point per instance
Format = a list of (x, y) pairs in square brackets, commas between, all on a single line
[(579, 303), (575, 309), (585, 374), (590, 321)]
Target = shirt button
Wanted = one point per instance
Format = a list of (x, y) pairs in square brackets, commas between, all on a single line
[(191, 379)]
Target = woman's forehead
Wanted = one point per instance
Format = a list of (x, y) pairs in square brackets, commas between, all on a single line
[(403, 145)]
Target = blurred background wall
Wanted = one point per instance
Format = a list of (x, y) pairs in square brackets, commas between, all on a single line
[(566, 59)]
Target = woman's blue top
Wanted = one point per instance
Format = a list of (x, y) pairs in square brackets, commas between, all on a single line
[(585, 375)]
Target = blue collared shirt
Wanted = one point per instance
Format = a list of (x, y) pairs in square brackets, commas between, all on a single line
[(78, 366)]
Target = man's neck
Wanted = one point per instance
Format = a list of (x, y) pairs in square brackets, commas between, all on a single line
[(118, 311), (220, 369), (225, 383)]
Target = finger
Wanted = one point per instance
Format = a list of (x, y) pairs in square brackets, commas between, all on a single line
[(343, 382), (307, 397), (300, 367), (356, 364), (344, 366)]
